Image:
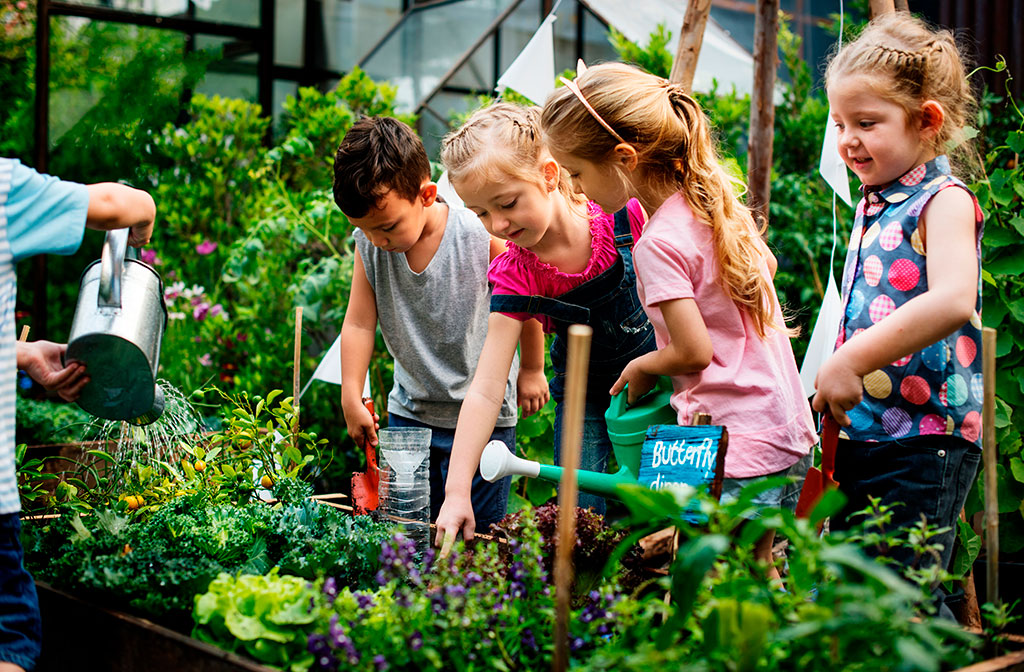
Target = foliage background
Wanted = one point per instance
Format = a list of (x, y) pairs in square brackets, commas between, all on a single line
[(247, 230)]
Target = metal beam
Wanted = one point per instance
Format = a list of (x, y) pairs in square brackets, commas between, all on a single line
[(180, 23)]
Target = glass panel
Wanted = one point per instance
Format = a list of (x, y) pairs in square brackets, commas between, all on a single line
[(426, 45), (432, 129), (353, 27), (239, 12), (289, 26), (157, 7), (596, 47)]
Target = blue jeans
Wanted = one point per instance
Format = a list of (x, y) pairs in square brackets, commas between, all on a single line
[(490, 500), (929, 475), (20, 626), (595, 448), (784, 496)]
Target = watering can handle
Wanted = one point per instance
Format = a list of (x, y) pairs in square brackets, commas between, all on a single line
[(115, 244)]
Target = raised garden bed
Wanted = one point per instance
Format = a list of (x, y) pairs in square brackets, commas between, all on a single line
[(80, 635)]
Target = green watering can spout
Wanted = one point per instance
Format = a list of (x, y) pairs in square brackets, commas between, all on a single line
[(627, 429)]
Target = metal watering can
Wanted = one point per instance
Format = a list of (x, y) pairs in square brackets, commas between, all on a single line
[(627, 429), (119, 323)]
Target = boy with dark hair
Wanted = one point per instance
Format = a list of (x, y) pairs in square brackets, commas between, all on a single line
[(421, 271)]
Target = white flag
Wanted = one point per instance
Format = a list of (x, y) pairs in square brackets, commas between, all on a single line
[(823, 338), (831, 166), (446, 191), (329, 369), (533, 72)]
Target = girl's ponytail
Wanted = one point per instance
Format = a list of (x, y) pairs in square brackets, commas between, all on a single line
[(675, 149)]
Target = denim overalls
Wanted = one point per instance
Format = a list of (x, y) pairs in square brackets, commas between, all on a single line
[(607, 303)]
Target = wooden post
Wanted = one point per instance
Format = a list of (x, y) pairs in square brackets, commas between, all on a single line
[(762, 107), (988, 434), (295, 375), (879, 7), (572, 436), (970, 614), (691, 36)]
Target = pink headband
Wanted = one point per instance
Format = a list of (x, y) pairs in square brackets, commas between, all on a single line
[(572, 86)]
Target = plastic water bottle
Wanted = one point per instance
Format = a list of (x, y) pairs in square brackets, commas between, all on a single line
[(404, 486)]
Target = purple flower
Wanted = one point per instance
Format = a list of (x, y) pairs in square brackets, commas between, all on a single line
[(416, 640), (206, 247), (200, 311), (330, 589), (528, 640), (576, 644), (364, 600), (216, 309), (380, 663), (148, 256)]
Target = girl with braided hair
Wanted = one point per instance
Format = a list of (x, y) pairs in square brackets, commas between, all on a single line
[(704, 274), (905, 380), (566, 261)]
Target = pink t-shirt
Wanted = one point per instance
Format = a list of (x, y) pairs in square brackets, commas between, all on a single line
[(752, 385), (519, 272)]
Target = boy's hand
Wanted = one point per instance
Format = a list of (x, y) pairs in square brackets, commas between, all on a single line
[(532, 391), (456, 516), (840, 388), (362, 426), (42, 361), (640, 382)]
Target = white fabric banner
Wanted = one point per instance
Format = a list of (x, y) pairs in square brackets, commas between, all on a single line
[(329, 369), (823, 338), (533, 72), (446, 191), (831, 166)]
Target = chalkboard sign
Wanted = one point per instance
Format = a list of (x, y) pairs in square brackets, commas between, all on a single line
[(693, 455)]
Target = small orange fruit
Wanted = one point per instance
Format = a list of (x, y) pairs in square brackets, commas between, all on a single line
[(267, 481)]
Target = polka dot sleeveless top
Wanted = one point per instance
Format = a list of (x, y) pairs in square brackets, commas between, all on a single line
[(937, 390)]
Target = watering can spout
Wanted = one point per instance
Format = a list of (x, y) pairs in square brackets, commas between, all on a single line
[(497, 462), (150, 416)]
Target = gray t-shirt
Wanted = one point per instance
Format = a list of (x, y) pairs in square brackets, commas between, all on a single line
[(434, 323)]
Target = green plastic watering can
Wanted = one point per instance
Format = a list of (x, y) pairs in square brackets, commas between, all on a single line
[(627, 429)]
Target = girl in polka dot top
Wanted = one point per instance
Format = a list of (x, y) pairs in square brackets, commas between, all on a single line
[(904, 382)]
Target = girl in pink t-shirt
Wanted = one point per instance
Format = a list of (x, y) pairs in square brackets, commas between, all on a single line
[(566, 262), (704, 273)]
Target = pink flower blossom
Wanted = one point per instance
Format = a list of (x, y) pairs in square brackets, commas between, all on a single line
[(206, 247), (148, 256), (201, 310), (206, 360), (216, 309)]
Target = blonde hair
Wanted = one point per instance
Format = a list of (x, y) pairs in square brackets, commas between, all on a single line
[(908, 62), (673, 141), (499, 141)]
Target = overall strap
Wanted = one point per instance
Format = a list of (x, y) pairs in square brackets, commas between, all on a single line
[(560, 311), (623, 232)]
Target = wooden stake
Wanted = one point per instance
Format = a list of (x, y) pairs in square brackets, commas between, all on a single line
[(24, 334), (572, 436), (691, 36), (295, 375), (970, 615), (762, 106), (988, 434)]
